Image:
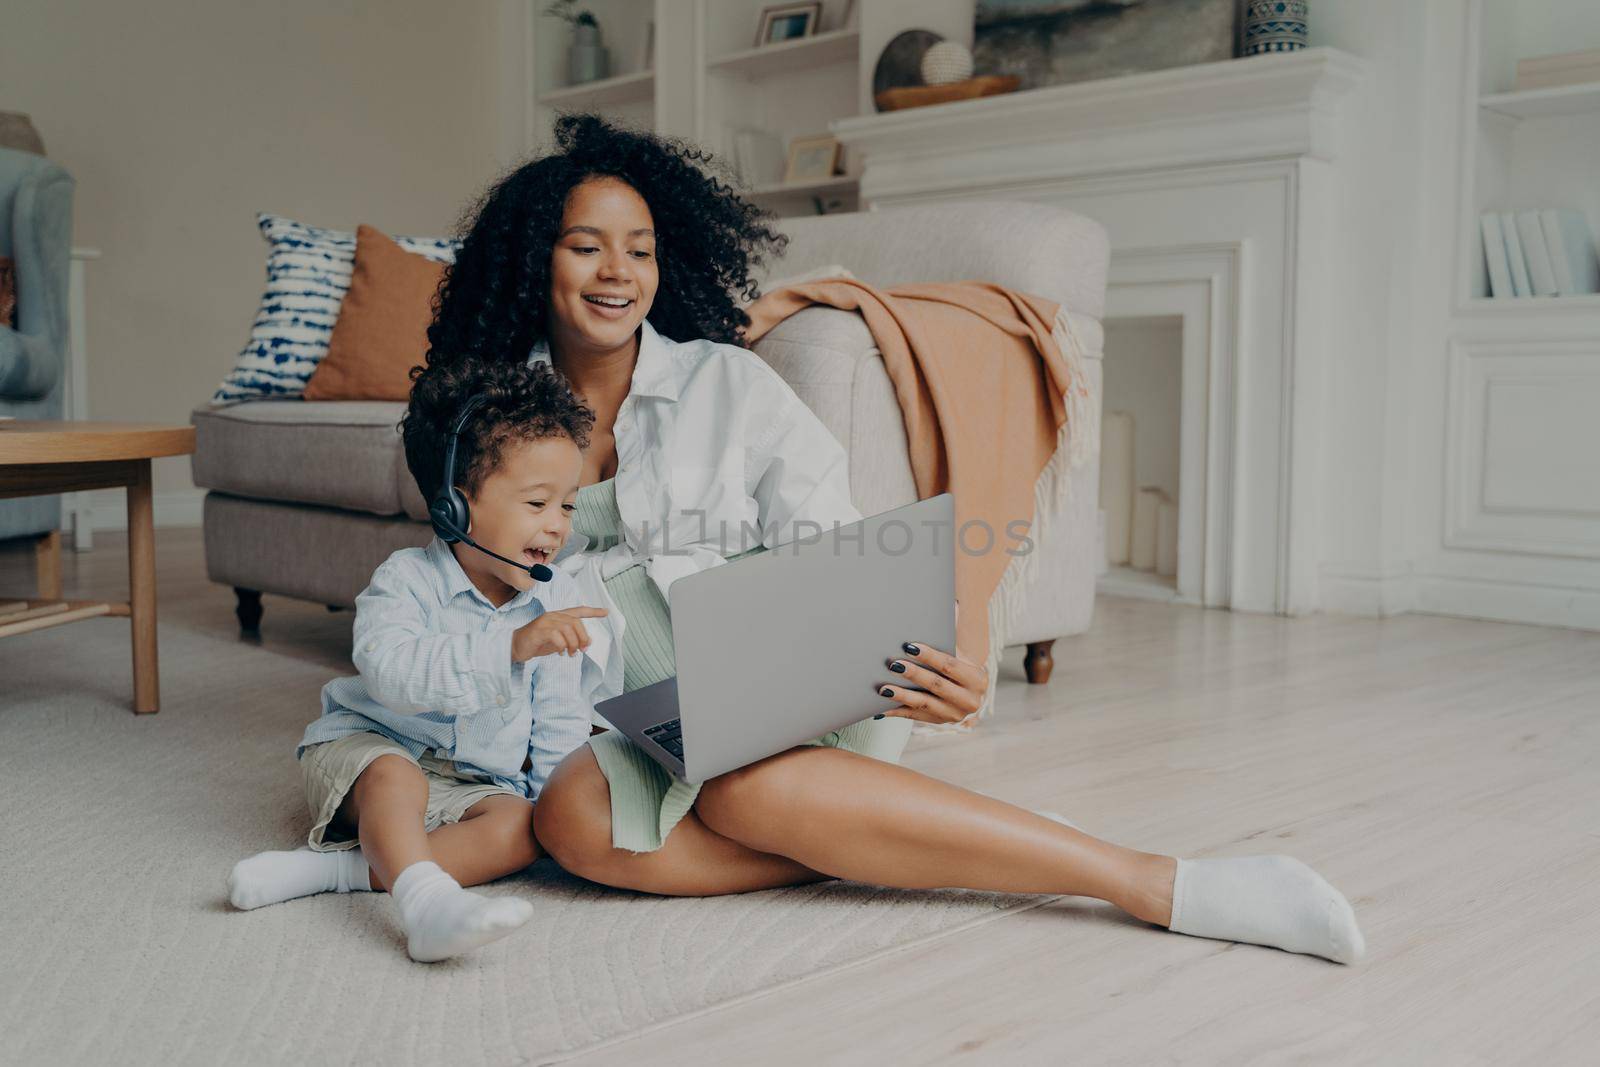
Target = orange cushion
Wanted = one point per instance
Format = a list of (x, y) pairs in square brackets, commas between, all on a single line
[(382, 329)]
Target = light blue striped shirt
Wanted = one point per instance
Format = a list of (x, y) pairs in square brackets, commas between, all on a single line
[(436, 672)]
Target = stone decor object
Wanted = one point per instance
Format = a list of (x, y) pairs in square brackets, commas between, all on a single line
[(1274, 26), (946, 63), (899, 65)]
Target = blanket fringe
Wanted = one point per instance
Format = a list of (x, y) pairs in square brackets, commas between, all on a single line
[(1077, 441)]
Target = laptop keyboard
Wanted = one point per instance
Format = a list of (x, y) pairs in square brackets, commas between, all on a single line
[(669, 735)]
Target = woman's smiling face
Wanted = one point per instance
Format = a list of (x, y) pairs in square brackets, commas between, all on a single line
[(603, 272)]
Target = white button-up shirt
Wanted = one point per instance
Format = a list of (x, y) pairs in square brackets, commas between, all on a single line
[(715, 455), (436, 672)]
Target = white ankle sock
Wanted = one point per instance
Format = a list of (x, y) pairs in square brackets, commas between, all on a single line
[(443, 920), (270, 877), (1265, 900)]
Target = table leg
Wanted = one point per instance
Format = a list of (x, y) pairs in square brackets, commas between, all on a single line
[(47, 565), (142, 591)]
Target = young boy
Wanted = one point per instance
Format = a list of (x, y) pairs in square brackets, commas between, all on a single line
[(470, 671)]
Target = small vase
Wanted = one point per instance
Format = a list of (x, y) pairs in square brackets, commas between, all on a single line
[(1274, 26), (587, 59)]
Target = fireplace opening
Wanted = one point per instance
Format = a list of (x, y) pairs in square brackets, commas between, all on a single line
[(1140, 456)]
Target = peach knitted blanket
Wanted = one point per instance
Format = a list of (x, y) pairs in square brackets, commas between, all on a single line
[(997, 409)]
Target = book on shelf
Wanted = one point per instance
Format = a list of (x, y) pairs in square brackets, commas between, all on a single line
[(1554, 72), (1541, 271), (1494, 255), (1520, 285), (1548, 252), (1572, 253)]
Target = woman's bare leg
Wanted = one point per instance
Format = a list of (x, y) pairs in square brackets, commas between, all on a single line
[(798, 818), (572, 821), (854, 817)]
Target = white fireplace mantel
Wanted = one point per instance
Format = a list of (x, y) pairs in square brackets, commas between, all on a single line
[(1219, 186), (1232, 111)]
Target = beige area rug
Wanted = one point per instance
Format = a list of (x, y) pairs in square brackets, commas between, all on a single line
[(119, 945)]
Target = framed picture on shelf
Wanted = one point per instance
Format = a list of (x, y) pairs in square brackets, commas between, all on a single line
[(788, 22), (846, 14), (812, 159)]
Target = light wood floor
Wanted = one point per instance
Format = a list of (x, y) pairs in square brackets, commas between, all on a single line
[(1445, 774)]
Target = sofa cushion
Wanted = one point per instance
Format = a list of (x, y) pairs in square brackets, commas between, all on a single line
[(308, 271), (338, 453), (322, 554), (382, 330)]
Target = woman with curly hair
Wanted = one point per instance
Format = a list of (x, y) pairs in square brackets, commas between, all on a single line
[(618, 258)]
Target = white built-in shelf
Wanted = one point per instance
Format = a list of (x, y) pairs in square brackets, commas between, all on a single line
[(1533, 305), (824, 49), (839, 183), (623, 89), (1538, 103)]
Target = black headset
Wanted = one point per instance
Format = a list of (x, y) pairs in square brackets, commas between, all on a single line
[(448, 512)]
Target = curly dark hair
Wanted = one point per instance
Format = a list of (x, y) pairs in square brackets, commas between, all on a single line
[(493, 302), (522, 401)]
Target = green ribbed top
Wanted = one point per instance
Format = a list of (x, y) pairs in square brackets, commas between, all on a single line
[(648, 655)]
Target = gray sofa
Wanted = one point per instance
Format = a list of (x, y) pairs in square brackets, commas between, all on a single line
[(306, 499), (36, 233)]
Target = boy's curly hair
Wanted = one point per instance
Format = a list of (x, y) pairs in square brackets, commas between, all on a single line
[(522, 401), (493, 303)]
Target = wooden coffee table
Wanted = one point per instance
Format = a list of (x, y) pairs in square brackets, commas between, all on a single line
[(43, 458)]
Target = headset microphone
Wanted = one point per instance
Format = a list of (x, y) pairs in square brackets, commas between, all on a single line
[(449, 513), (536, 571)]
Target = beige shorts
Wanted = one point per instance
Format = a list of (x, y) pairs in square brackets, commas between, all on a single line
[(331, 768)]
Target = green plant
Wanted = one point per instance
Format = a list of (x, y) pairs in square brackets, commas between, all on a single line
[(563, 9)]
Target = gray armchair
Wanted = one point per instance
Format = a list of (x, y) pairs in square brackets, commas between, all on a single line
[(35, 232)]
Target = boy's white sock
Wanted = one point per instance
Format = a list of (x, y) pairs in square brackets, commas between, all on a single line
[(443, 920), (270, 877), (1265, 900)]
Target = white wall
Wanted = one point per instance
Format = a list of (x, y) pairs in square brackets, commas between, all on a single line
[(181, 120)]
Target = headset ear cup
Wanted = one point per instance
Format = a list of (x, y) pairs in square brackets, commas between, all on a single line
[(460, 515), (449, 515)]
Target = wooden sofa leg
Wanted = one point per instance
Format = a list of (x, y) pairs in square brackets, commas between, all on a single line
[(1038, 663), (248, 610)]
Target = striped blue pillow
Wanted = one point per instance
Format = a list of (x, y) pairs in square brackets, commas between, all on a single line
[(308, 271)]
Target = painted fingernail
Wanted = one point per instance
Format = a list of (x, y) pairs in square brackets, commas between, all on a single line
[(886, 691), (897, 667), (878, 716), (911, 650)]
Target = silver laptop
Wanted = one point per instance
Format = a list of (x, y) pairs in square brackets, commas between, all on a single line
[(777, 648)]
